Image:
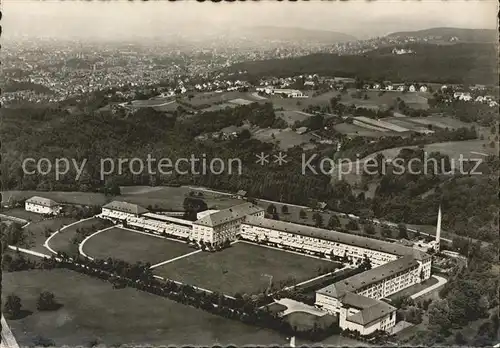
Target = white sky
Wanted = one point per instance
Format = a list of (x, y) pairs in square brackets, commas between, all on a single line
[(120, 19)]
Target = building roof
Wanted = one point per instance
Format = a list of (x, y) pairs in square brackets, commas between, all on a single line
[(370, 309), (166, 218), (335, 236), (228, 215), (46, 202), (369, 277), (241, 193), (126, 207)]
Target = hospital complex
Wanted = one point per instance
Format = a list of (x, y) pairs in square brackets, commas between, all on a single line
[(358, 301)]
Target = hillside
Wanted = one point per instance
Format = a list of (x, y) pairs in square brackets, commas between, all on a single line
[(446, 34), (297, 34), (460, 63)]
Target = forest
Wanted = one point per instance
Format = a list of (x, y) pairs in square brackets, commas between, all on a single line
[(54, 133), (460, 63)]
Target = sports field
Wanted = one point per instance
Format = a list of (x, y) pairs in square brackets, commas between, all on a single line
[(132, 247), (242, 268), (92, 311)]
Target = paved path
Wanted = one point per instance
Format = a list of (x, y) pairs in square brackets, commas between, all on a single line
[(46, 244), (14, 218), (441, 281), (8, 339), (80, 247), (296, 306), (175, 259), (316, 278)]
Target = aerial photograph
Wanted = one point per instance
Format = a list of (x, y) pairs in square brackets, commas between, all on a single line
[(259, 173)]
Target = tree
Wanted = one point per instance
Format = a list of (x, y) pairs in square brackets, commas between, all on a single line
[(46, 301), (352, 225), (460, 339), (369, 228), (403, 231), (333, 222), (271, 209), (386, 231), (439, 316), (318, 219), (245, 134), (284, 209), (303, 214), (12, 307)]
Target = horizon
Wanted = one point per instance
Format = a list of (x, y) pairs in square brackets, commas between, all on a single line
[(81, 20)]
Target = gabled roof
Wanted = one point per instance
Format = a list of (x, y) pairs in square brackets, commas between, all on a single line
[(372, 276), (126, 207), (46, 202), (372, 311), (335, 236), (228, 215)]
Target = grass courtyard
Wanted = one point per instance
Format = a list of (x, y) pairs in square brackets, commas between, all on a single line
[(242, 268), (92, 311), (63, 240), (132, 247)]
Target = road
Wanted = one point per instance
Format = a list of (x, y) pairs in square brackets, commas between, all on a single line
[(441, 281), (8, 339)]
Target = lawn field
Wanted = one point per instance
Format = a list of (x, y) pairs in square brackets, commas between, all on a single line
[(84, 198), (23, 214), (62, 241), (440, 122), (290, 117), (242, 268), (92, 310), (304, 321), (171, 198), (132, 247), (354, 130), (469, 149), (287, 138), (39, 231)]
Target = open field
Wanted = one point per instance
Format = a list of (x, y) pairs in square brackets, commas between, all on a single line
[(469, 149), (63, 240), (91, 307), (23, 214), (287, 138), (133, 247), (242, 268), (439, 122), (39, 231), (172, 198), (354, 130), (304, 321), (84, 198), (290, 117)]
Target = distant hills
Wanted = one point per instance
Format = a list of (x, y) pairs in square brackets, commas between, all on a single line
[(459, 63), (296, 34), (449, 34)]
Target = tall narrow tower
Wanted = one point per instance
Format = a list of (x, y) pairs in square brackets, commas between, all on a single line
[(438, 231)]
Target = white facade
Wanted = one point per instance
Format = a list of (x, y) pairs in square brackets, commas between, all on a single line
[(384, 323), (355, 253), (42, 205), (160, 224)]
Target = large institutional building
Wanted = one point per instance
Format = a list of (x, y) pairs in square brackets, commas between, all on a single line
[(357, 300)]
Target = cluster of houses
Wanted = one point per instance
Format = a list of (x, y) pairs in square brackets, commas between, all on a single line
[(220, 86), (484, 99)]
